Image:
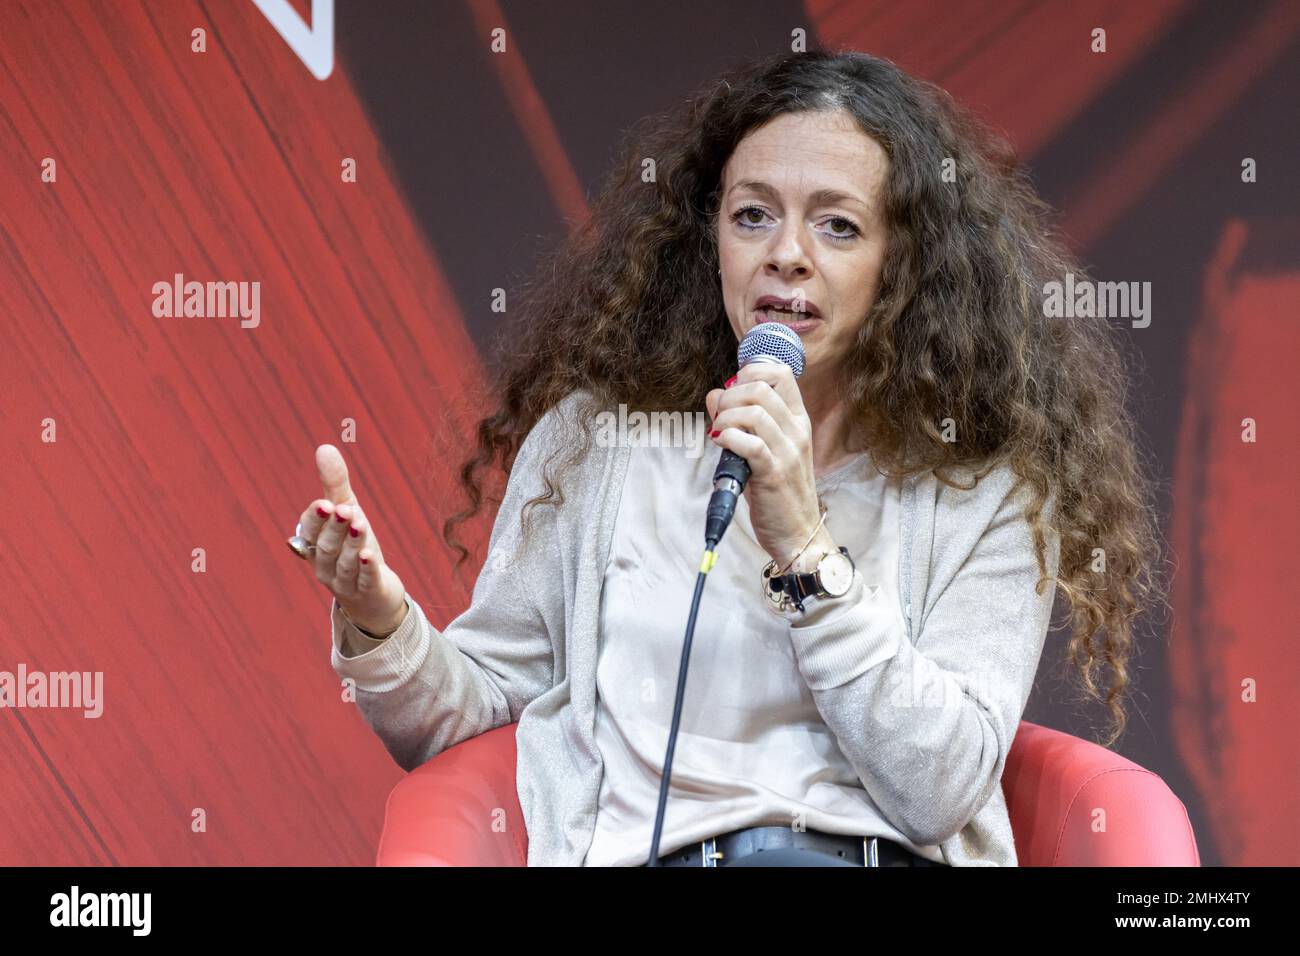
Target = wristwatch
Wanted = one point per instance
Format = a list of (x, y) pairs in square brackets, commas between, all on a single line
[(832, 578)]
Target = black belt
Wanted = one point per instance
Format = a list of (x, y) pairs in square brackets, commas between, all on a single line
[(864, 851)]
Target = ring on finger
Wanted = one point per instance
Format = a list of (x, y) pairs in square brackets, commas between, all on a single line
[(300, 545)]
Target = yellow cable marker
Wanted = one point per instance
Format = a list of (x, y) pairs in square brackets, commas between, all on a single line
[(707, 561)]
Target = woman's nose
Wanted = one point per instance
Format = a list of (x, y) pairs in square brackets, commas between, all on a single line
[(790, 254)]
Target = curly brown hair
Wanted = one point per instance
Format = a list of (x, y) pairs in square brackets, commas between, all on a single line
[(957, 331)]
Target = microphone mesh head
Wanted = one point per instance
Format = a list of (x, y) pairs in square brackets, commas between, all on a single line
[(769, 342)]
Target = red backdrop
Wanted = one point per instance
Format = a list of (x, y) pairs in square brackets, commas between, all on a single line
[(177, 434)]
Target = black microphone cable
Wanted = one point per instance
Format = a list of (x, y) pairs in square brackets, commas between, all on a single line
[(706, 564)]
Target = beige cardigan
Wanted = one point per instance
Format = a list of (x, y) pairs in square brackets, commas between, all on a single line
[(926, 717)]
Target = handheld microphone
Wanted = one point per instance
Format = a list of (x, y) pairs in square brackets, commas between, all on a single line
[(765, 342)]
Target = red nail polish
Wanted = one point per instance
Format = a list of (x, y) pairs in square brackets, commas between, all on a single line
[(353, 531), (340, 519), (714, 434), (365, 560), (322, 512), (732, 381)]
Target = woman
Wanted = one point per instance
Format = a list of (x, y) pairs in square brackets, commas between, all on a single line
[(969, 454)]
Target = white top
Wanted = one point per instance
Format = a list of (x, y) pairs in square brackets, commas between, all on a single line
[(752, 748)]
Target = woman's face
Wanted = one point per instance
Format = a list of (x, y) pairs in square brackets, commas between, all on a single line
[(783, 232)]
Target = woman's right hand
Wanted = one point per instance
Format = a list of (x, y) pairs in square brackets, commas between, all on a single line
[(371, 594)]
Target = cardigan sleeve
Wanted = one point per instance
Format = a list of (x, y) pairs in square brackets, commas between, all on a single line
[(927, 727), (422, 690)]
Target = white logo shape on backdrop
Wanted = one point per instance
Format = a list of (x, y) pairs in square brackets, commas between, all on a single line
[(315, 44)]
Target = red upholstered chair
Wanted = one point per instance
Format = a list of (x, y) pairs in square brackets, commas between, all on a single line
[(442, 813)]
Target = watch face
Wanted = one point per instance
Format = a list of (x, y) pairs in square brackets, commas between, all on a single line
[(836, 573)]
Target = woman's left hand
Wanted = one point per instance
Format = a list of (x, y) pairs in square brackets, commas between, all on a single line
[(762, 419)]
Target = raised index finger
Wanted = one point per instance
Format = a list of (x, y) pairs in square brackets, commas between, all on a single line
[(334, 475)]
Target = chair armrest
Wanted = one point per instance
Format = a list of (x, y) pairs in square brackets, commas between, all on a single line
[(1061, 791), (460, 808)]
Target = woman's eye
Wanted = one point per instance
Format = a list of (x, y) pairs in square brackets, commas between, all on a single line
[(747, 223), (853, 229)]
